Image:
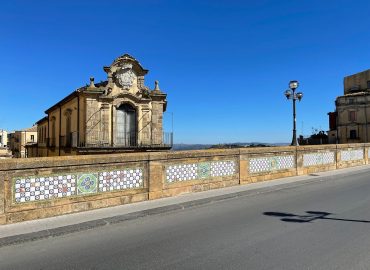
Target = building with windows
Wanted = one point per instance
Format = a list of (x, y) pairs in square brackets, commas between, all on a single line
[(350, 121), (120, 114), (21, 140), (3, 138)]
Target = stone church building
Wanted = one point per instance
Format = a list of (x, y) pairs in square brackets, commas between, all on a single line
[(120, 114), (350, 122)]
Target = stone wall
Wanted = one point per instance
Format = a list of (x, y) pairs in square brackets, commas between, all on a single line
[(43, 187)]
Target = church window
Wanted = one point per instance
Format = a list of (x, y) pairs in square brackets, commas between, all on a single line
[(351, 116), (352, 134)]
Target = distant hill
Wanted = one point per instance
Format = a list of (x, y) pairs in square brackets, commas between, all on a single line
[(184, 147)]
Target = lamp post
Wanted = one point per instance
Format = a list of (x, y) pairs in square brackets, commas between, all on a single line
[(291, 94)]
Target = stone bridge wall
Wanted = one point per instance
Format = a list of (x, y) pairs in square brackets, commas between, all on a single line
[(43, 187)]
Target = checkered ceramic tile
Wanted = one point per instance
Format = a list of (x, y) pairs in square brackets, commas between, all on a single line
[(222, 168), (121, 179), (267, 164), (181, 172), (201, 170), (87, 183), (32, 189), (347, 155), (315, 159)]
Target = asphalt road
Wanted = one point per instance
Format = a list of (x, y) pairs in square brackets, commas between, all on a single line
[(321, 225)]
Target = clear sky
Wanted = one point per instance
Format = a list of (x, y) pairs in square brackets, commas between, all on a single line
[(224, 64)]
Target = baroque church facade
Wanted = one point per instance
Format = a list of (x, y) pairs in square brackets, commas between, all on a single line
[(120, 114)]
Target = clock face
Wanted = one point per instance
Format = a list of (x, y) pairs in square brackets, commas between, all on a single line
[(125, 77)]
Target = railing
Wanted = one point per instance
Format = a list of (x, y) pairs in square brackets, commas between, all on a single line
[(127, 139), (167, 138), (95, 139), (69, 140)]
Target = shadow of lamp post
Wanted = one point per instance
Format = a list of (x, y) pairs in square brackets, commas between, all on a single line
[(291, 94)]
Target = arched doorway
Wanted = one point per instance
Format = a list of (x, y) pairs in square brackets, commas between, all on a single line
[(126, 131)]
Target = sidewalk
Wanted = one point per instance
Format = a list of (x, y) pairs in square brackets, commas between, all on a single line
[(54, 226)]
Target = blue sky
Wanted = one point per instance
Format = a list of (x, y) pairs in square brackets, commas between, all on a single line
[(223, 64)]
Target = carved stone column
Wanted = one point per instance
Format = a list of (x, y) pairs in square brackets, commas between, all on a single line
[(145, 126)]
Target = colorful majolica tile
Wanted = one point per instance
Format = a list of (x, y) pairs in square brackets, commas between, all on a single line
[(87, 183), (204, 169), (121, 179), (201, 170), (39, 188)]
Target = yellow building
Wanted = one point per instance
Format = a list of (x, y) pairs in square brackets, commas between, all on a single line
[(117, 115), (20, 141), (350, 121)]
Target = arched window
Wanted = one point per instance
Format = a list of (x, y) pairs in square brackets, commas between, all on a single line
[(126, 129)]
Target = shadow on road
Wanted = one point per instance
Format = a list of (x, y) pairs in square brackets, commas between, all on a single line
[(308, 217)]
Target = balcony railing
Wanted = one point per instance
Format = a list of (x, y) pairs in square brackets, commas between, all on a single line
[(95, 139), (69, 140)]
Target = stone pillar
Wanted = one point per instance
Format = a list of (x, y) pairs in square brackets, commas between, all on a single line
[(155, 179), (157, 125), (243, 168), (2, 198), (145, 127)]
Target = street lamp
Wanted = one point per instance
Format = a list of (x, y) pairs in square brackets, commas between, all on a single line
[(291, 94)]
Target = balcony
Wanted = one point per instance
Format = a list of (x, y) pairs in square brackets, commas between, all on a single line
[(126, 140)]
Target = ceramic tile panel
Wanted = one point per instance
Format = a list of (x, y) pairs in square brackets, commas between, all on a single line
[(199, 170), (31, 189), (316, 159), (268, 164), (348, 155), (223, 168), (182, 172), (87, 183), (121, 179)]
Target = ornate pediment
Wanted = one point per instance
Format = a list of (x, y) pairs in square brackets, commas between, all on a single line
[(125, 76), (125, 61)]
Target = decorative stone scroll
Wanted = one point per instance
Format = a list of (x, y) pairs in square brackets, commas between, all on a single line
[(349, 155), (268, 164), (199, 170), (40, 188), (317, 159), (125, 76)]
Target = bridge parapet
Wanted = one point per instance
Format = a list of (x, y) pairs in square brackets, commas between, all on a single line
[(43, 187)]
